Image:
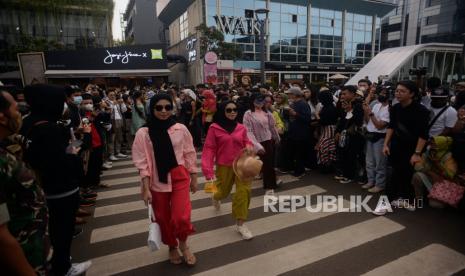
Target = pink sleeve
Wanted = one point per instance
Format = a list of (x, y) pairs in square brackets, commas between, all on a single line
[(190, 156), (139, 156), (208, 154), (246, 139)]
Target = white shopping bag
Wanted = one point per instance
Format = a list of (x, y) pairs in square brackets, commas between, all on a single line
[(154, 239)]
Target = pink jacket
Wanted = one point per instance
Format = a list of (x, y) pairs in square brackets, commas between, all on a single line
[(222, 147), (144, 158)]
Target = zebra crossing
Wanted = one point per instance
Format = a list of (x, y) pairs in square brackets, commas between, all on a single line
[(295, 243)]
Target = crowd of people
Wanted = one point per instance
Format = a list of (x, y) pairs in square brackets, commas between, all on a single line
[(55, 142)]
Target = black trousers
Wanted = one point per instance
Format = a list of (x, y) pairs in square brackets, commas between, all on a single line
[(269, 175), (400, 184), (284, 160), (62, 215), (94, 168), (299, 155)]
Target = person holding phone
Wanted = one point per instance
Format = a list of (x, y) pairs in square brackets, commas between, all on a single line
[(165, 156)]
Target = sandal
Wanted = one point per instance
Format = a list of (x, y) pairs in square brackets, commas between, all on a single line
[(189, 259), (175, 258)]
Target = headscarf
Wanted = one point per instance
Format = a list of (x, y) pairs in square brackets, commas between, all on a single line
[(190, 93), (223, 121), (285, 102), (209, 104), (443, 145), (165, 158)]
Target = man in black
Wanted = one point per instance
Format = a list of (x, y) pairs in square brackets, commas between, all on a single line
[(299, 130)]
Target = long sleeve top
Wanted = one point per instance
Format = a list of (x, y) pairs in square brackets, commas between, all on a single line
[(299, 126), (257, 131), (144, 158), (222, 147)]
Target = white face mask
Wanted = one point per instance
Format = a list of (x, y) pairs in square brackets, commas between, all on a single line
[(88, 107)]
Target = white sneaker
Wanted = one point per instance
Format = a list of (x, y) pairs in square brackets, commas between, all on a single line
[(279, 182), (78, 268), (113, 158), (106, 165), (121, 156), (244, 231), (375, 189), (381, 209), (216, 204), (109, 162)]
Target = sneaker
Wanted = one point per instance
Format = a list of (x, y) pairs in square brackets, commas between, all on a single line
[(109, 163), (338, 177), (279, 182), (381, 209), (113, 158), (308, 170), (282, 171), (121, 156), (244, 231), (367, 186), (78, 268), (345, 180), (216, 204), (107, 166), (375, 189)]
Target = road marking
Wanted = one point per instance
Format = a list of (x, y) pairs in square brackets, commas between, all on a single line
[(306, 252), (121, 163), (139, 257), (119, 171), (434, 259)]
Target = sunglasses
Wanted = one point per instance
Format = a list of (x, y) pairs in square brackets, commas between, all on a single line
[(231, 110), (159, 108)]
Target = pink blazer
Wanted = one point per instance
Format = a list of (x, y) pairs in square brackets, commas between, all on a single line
[(144, 158)]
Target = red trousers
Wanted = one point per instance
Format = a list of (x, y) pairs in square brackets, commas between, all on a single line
[(173, 209)]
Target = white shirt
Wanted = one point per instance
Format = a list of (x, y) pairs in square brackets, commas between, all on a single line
[(447, 119), (116, 108), (315, 109), (381, 113)]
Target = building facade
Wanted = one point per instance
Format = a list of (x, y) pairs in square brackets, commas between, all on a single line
[(142, 23), (305, 40), (46, 25), (424, 21)]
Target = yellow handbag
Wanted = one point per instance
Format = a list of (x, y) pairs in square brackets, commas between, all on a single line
[(210, 187)]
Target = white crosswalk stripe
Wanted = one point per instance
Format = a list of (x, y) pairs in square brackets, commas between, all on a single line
[(432, 259)]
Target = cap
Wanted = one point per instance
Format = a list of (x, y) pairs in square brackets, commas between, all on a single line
[(439, 93), (295, 91)]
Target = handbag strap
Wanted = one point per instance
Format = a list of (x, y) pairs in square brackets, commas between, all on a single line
[(437, 117)]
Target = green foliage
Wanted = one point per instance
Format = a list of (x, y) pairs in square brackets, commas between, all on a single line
[(213, 40)]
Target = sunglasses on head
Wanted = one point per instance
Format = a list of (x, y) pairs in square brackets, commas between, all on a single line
[(167, 107), (231, 110)]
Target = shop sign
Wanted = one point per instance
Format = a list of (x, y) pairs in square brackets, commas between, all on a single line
[(238, 25), (211, 73), (211, 57), (151, 56), (191, 49)]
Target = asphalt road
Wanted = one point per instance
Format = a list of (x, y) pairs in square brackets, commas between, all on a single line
[(424, 242)]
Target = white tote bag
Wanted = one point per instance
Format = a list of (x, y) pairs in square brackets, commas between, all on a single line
[(154, 239)]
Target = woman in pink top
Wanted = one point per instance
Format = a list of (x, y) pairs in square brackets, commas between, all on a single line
[(226, 139), (165, 156)]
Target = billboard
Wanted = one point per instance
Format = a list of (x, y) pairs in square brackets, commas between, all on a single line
[(150, 56)]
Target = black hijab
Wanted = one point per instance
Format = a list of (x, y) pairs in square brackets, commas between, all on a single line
[(162, 146), (223, 121)]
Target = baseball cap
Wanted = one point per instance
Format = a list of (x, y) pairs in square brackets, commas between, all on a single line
[(439, 93)]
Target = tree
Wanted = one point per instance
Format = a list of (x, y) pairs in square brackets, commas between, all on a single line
[(213, 40)]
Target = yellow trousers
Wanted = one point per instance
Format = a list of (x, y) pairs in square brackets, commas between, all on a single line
[(225, 178)]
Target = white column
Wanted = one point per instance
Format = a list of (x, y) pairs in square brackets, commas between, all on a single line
[(373, 35), (309, 31), (343, 54)]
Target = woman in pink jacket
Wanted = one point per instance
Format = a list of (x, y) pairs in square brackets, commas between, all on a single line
[(165, 156), (226, 139)]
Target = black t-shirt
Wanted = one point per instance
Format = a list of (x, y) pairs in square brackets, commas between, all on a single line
[(409, 123)]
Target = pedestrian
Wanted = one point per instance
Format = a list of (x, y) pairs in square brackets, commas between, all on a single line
[(459, 98), (225, 142), (442, 116), (165, 156), (138, 112), (117, 121), (406, 138), (326, 146), (25, 244), (284, 162), (208, 109), (377, 120), (261, 128), (192, 108)]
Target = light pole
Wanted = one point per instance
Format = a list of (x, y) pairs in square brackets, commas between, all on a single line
[(263, 31)]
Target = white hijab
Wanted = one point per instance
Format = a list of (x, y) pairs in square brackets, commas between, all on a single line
[(190, 93)]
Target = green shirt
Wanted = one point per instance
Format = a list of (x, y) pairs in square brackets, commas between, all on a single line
[(23, 208)]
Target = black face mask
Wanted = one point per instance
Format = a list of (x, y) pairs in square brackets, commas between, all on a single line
[(382, 98), (438, 103)]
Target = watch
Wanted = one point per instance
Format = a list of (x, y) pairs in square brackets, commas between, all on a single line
[(418, 152)]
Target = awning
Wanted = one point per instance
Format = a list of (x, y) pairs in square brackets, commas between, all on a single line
[(106, 73)]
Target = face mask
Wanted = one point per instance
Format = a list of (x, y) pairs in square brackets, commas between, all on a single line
[(382, 98), (88, 107), (438, 104), (77, 100)]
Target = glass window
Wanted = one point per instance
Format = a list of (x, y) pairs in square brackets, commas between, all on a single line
[(275, 29), (184, 26), (367, 36), (302, 58), (349, 16), (315, 21), (288, 49), (326, 44), (303, 41), (242, 4), (314, 59), (301, 30), (315, 12), (337, 59), (359, 18), (302, 19), (275, 7), (275, 57), (211, 3), (338, 15), (326, 30), (227, 11), (338, 23), (289, 58), (211, 21), (302, 10), (327, 13), (337, 31), (326, 59), (260, 4), (285, 17), (359, 36), (289, 29), (274, 49), (314, 51), (325, 22), (227, 4), (302, 50), (287, 8), (369, 20), (274, 39), (315, 43)]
